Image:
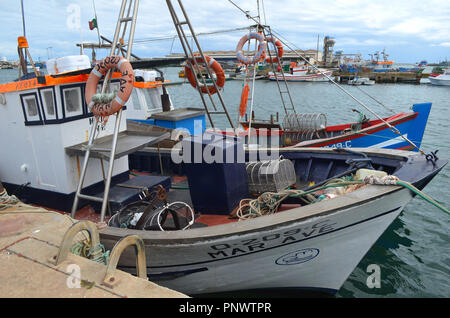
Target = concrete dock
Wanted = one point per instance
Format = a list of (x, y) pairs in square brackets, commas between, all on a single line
[(384, 77), (30, 237)]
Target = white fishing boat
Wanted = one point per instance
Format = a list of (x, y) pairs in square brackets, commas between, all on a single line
[(300, 248), (46, 118), (302, 73), (311, 239), (361, 81), (441, 80)]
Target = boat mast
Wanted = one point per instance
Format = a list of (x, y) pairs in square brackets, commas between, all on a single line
[(23, 19), (25, 35)]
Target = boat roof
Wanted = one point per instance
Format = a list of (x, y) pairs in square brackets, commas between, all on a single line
[(60, 79)]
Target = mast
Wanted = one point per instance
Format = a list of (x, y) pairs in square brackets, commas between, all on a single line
[(25, 35), (23, 19)]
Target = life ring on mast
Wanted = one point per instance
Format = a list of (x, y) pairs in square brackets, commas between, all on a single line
[(278, 46), (218, 70), (260, 54), (106, 109)]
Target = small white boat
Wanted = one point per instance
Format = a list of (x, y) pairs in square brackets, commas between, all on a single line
[(441, 80), (361, 81), (302, 73)]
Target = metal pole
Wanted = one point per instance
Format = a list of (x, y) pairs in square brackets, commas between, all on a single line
[(23, 19), (84, 169), (111, 166)]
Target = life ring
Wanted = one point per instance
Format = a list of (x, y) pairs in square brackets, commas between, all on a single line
[(220, 74), (126, 85), (261, 48), (279, 47)]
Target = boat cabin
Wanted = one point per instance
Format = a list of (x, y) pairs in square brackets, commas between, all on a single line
[(43, 116)]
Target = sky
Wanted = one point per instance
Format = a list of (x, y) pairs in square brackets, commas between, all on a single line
[(409, 30)]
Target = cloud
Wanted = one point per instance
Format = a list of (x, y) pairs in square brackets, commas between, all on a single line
[(407, 27)]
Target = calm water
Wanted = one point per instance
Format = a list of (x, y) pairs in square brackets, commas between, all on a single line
[(414, 252)]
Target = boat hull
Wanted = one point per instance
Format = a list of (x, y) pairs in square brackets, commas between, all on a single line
[(411, 126), (317, 254), (309, 248), (440, 82), (316, 77)]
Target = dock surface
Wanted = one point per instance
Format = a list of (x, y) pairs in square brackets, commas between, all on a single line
[(31, 236)]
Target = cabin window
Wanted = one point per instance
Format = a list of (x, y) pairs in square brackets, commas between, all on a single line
[(72, 101), (151, 97), (48, 102), (30, 107), (135, 100)]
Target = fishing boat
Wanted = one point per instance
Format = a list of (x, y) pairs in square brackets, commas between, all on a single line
[(302, 247), (311, 239), (241, 219), (301, 73), (46, 118), (441, 79), (361, 81), (311, 130)]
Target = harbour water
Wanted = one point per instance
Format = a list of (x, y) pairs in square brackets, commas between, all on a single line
[(414, 253)]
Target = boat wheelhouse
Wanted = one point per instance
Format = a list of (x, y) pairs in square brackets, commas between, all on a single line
[(44, 117)]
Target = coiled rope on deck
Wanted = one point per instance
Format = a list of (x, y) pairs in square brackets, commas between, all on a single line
[(269, 202), (97, 253)]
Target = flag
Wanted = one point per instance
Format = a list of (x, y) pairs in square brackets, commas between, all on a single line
[(93, 24)]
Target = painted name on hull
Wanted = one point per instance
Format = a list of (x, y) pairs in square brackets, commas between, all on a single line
[(225, 250)]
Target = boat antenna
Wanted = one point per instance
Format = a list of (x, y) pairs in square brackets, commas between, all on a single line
[(392, 128), (23, 19), (24, 31)]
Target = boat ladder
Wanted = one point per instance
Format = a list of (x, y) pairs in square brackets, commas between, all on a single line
[(128, 14), (189, 52), (283, 88)]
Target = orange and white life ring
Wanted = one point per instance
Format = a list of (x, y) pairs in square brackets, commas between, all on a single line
[(215, 66), (278, 46), (126, 85), (260, 54)]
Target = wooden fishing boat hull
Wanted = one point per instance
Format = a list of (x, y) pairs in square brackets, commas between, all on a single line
[(379, 135), (309, 248), (374, 134)]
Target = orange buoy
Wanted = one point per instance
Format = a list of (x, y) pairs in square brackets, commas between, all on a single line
[(244, 99), (220, 81), (104, 110)]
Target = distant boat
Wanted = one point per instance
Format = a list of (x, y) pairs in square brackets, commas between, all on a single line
[(302, 73), (361, 81), (422, 63), (441, 79)]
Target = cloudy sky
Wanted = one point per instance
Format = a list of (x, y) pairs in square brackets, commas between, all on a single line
[(409, 30)]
